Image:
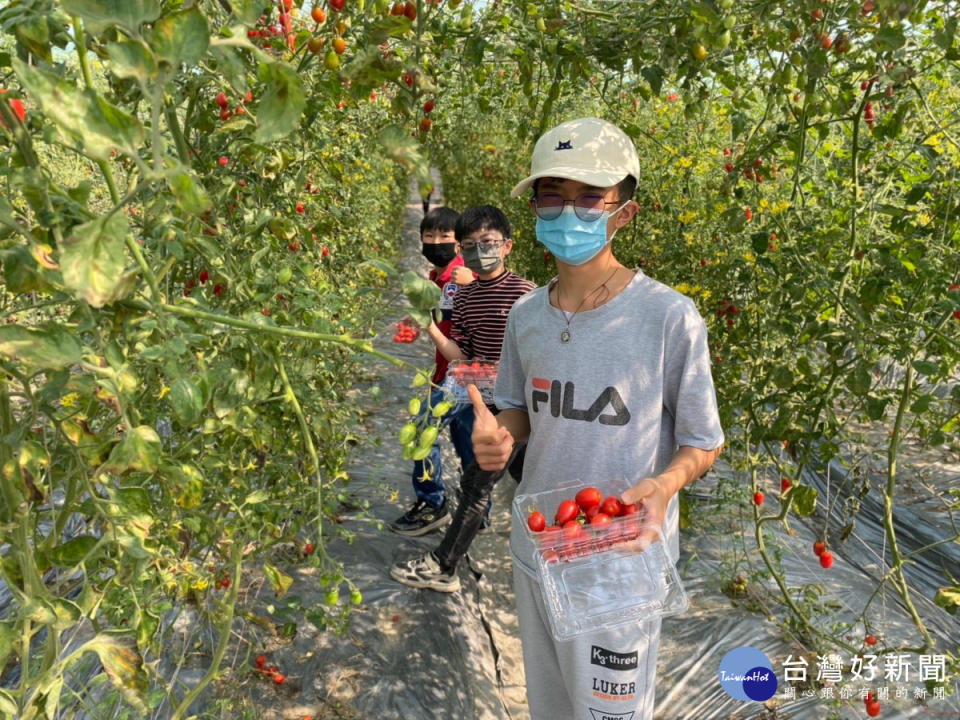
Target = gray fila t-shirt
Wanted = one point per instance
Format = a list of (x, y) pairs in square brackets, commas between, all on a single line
[(613, 403)]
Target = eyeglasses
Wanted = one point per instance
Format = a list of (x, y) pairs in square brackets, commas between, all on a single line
[(588, 207), (482, 243)]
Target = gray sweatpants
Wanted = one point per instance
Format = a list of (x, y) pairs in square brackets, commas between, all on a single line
[(606, 675)]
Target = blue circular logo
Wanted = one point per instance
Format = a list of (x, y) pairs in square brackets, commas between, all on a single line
[(746, 674)]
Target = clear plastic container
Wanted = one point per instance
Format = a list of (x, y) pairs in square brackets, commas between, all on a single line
[(461, 373), (600, 576)]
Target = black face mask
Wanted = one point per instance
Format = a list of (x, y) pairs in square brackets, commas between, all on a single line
[(440, 254)]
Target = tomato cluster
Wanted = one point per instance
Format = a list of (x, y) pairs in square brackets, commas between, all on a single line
[(826, 557), (585, 524), (271, 671), (406, 333)]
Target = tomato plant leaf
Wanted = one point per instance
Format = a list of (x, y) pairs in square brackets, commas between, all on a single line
[(926, 367), (380, 265), (278, 580), (100, 14), (92, 260), (876, 407), (246, 11), (33, 32), (385, 28), (49, 347), (423, 294), (72, 552), (804, 499), (256, 497), (948, 598), (124, 666), (181, 37), (8, 706), (230, 64), (66, 613), (653, 74), (82, 115), (889, 38), (186, 400), (132, 59), (281, 104), (22, 272), (189, 193), (139, 450), (8, 636)]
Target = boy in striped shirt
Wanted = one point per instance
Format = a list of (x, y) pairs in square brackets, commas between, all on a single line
[(480, 312)]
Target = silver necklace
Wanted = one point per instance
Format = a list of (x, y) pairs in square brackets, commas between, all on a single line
[(565, 335)]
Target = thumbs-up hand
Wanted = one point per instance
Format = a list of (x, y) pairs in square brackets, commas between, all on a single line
[(492, 444)]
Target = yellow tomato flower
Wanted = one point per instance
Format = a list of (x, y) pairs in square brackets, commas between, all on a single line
[(69, 400)]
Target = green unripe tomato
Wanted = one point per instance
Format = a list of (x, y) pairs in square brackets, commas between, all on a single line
[(285, 275), (355, 597), (407, 433), (440, 409), (413, 407), (429, 436), (331, 61), (421, 453), (332, 597)]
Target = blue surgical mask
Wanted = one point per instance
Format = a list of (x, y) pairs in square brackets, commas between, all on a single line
[(572, 240)]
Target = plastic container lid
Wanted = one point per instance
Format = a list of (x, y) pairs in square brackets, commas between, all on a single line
[(600, 577)]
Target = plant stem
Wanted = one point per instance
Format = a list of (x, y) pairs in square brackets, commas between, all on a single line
[(896, 558), (291, 397), (758, 535), (351, 342), (170, 113), (80, 40), (224, 629), (81, 43)]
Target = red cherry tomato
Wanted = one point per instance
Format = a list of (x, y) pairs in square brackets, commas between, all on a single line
[(611, 506), (588, 498), (536, 522), (567, 511), (599, 519), (572, 530), (630, 509)]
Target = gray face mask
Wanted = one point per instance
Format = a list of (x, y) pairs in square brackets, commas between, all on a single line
[(481, 259)]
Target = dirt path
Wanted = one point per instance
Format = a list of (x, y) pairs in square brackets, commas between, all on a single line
[(407, 653)]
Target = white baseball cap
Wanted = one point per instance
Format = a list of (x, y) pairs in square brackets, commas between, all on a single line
[(589, 150)]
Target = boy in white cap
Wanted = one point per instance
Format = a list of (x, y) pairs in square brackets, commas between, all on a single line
[(627, 358)]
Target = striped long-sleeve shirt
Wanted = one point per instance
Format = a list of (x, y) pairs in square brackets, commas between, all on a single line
[(480, 314)]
